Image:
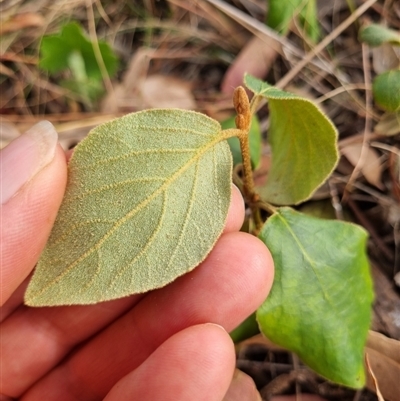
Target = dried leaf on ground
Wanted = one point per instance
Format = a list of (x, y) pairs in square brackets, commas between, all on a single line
[(255, 59), (389, 124), (139, 91), (160, 91), (21, 21), (384, 361), (386, 310), (385, 57), (371, 167), (373, 379)]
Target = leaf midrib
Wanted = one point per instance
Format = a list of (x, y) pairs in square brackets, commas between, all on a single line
[(201, 151), (311, 262)]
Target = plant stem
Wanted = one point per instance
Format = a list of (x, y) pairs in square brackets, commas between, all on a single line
[(255, 101), (247, 170)]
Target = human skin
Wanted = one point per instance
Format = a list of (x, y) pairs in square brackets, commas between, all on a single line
[(169, 344)]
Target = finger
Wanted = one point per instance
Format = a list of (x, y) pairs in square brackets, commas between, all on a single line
[(14, 301), (195, 364), (242, 388), (234, 222), (33, 177), (53, 332), (235, 216), (232, 282)]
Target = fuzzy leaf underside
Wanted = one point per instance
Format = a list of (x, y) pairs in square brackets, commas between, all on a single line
[(147, 198), (303, 145), (320, 303)]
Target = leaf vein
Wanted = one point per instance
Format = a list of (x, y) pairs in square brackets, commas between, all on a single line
[(137, 153), (115, 185), (200, 152), (148, 244), (187, 215), (308, 258)]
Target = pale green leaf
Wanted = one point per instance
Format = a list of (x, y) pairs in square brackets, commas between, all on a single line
[(146, 200), (376, 35), (56, 50), (386, 90), (282, 12), (303, 144), (254, 141), (320, 303)]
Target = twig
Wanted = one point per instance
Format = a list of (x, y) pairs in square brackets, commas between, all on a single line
[(325, 42), (341, 89), (283, 45), (369, 227), (368, 124), (96, 48)]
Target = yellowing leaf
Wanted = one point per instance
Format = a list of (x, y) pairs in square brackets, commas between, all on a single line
[(146, 200), (303, 144)]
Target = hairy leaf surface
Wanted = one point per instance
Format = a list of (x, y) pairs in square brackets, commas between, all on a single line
[(320, 303), (303, 144), (146, 200), (254, 142)]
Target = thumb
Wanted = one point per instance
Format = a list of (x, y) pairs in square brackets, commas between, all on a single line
[(32, 182)]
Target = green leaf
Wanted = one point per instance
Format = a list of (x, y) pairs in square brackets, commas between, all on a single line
[(56, 50), (309, 20), (376, 35), (248, 328), (303, 144), (146, 200), (254, 141), (386, 90), (320, 303), (281, 13)]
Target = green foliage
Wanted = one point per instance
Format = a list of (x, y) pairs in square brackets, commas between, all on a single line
[(248, 328), (146, 200), (386, 86), (320, 303), (386, 90), (254, 141), (303, 144), (72, 50), (376, 35), (281, 13)]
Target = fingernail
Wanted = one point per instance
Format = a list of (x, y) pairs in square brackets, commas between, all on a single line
[(24, 157)]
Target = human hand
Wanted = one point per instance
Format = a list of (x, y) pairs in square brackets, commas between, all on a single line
[(166, 344)]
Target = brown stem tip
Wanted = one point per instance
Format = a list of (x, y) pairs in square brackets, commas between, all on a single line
[(242, 107)]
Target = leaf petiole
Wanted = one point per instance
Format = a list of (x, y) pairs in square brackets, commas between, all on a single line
[(243, 123)]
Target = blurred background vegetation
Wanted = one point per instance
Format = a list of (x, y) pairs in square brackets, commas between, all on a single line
[(79, 63)]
